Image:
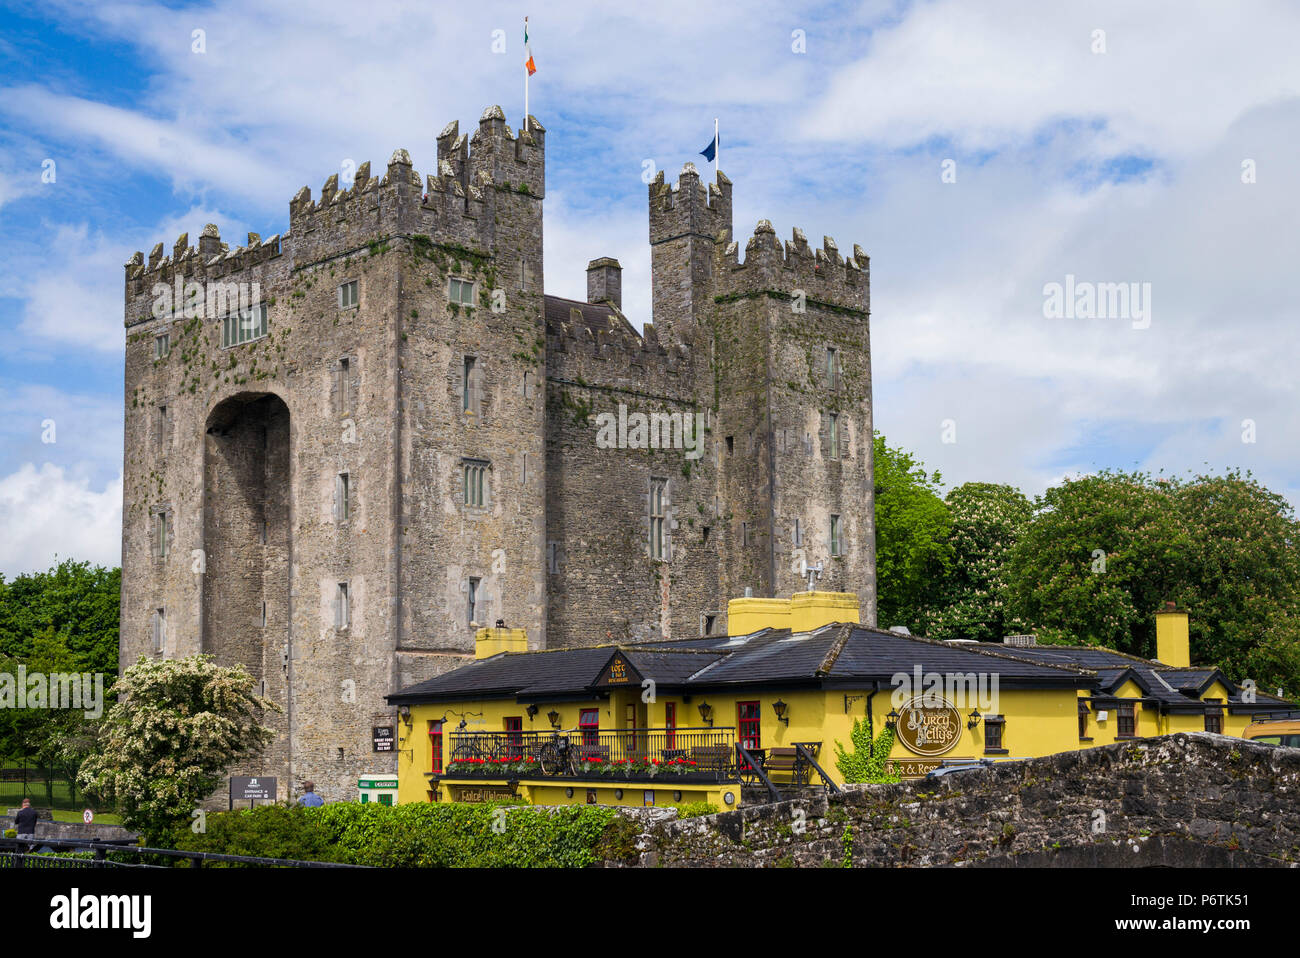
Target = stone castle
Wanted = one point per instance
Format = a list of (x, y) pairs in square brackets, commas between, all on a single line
[(351, 445)]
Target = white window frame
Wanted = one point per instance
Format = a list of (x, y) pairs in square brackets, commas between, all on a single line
[(474, 480), (472, 585), (342, 606), (159, 628), (349, 294), (837, 536), (245, 327), (659, 519), (343, 497), (456, 286)]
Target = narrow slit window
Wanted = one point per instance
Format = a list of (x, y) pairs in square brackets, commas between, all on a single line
[(837, 546), (472, 600), (658, 515), (834, 430), (342, 607), (342, 497)]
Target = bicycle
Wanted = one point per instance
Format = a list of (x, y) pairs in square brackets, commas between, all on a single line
[(558, 756)]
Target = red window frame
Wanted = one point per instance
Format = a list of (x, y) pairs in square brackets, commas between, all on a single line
[(749, 731), (670, 724), (515, 735), (589, 725), (435, 745)]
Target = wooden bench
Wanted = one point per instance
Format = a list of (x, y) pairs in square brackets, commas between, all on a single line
[(711, 757)]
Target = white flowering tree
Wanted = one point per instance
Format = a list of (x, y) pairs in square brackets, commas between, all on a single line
[(178, 724), (985, 520)]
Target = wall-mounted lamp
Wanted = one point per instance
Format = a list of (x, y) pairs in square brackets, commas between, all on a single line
[(974, 719), (532, 711), (462, 726), (404, 712), (554, 717), (706, 713), (782, 711), (891, 720)]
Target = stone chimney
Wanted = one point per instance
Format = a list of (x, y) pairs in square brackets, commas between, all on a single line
[(605, 282)]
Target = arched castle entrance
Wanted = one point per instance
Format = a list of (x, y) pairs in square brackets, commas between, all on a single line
[(246, 538)]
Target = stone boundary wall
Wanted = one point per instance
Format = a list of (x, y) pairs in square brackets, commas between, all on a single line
[(1190, 799)]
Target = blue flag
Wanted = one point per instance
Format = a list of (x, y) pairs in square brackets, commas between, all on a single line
[(710, 151)]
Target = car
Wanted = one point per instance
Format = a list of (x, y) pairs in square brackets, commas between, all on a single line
[(1286, 732), (954, 768)]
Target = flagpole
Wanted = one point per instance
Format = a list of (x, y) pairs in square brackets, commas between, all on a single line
[(717, 148), (525, 76)]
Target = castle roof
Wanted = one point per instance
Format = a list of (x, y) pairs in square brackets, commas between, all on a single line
[(573, 318)]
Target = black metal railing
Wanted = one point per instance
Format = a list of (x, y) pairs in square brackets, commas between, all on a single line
[(42, 853), (634, 753)]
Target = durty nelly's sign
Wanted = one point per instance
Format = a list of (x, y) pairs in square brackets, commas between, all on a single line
[(928, 725)]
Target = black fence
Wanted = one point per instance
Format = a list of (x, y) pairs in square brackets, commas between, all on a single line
[(47, 788), (591, 753), (78, 853)]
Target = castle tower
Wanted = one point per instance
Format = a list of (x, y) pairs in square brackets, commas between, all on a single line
[(335, 468)]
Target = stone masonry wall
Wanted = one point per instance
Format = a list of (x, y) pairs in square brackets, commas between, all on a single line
[(1184, 799)]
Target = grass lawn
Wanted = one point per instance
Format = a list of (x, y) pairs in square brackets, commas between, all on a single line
[(101, 818)]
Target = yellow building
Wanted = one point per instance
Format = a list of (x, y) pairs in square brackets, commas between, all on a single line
[(743, 717)]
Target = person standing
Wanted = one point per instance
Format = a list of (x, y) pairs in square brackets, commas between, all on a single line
[(25, 820), (310, 799)]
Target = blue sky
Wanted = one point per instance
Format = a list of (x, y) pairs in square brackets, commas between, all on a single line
[(1112, 157)]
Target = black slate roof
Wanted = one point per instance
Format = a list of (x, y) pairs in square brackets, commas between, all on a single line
[(834, 655)]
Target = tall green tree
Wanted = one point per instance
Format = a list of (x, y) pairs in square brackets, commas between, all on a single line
[(177, 726), (973, 600), (912, 549), (76, 600)]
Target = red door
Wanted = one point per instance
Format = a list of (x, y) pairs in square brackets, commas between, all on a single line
[(747, 722), (514, 737), (670, 724)]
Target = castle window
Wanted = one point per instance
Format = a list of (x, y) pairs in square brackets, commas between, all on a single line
[(471, 604), (1083, 719), (834, 430), (731, 445), (704, 537), (461, 292), (798, 532), (162, 345), (470, 389), (244, 327), (837, 545), (161, 534), (342, 498), (707, 621), (348, 295), (159, 629), (343, 386), (161, 434), (744, 533), (832, 368), (658, 514), (474, 475), (342, 607)]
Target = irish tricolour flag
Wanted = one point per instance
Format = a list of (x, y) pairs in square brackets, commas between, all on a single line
[(528, 52)]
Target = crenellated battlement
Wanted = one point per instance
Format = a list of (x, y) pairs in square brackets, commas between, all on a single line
[(493, 171), (822, 273), (689, 206)]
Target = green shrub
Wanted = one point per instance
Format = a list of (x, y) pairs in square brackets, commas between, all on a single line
[(11, 833), (695, 809), (494, 835)]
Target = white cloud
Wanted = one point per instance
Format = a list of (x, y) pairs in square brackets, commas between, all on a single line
[(47, 516), (1174, 77)]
